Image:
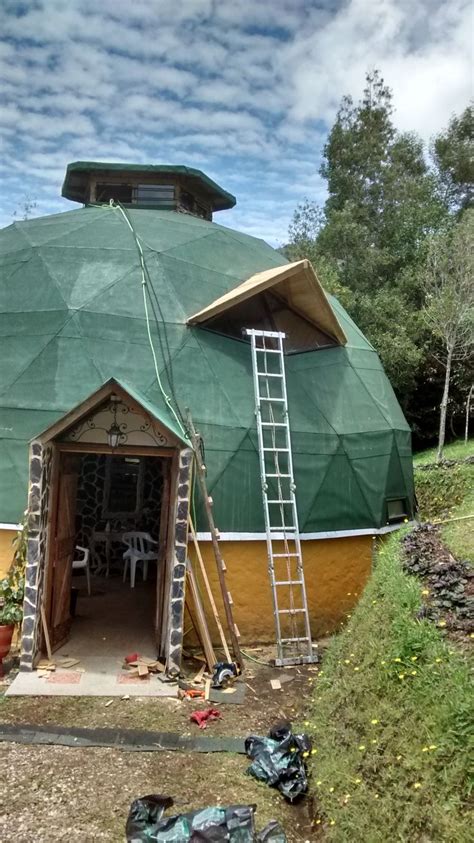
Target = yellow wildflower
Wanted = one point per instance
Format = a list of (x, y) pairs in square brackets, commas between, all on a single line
[(331, 790), (414, 658), (417, 785), (314, 751), (425, 592), (438, 661), (399, 757), (374, 721), (432, 746), (305, 754), (332, 822), (358, 781), (306, 723), (376, 796), (425, 749), (397, 660), (347, 661), (356, 669), (442, 623), (401, 676), (374, 740), (362, 747), (413, 673), (348, 593), (318, 822), (374, 602), (383, 661), (319, 783)]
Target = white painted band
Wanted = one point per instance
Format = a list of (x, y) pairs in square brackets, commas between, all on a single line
[(334, 534)]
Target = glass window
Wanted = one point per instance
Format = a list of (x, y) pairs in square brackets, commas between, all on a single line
[(123, 486)]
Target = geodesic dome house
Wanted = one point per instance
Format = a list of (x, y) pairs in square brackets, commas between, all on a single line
[(131, 309)]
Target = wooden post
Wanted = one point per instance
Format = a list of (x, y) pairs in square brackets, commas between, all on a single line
[(201, 477), (209, 591)]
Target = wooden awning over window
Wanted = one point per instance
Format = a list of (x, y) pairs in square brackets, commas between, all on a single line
[(296, 284)]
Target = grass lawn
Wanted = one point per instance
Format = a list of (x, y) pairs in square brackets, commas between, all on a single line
[(454, 451), (391, 721)]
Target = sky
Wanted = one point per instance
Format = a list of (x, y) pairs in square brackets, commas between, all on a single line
[(246, 90)]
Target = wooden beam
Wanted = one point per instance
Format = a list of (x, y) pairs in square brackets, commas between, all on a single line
[(209, 591), (201, 617)]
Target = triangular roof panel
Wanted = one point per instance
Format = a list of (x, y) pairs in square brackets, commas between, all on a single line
[(296, 283)]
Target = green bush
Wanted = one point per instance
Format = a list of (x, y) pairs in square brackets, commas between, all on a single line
[(441, 488), (391, 720)]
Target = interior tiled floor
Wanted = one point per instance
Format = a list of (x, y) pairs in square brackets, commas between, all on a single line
[(114, 622)]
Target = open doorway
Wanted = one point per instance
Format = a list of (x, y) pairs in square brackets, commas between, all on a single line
[(101, 498)]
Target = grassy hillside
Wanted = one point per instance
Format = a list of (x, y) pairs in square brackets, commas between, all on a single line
[(391, 720), (447, 492), (454, 451)]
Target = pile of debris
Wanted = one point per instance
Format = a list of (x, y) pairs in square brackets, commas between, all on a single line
[(449, 582), (47, 666), (142, 666)]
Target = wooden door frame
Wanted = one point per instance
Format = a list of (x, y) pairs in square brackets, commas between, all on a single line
[(172, 456)]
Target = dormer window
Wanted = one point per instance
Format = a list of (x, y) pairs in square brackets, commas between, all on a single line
[(286, 298)]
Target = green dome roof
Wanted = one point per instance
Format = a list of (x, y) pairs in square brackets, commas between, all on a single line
[(72, 317)]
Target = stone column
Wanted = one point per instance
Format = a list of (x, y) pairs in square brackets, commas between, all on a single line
[(178, 574), (38, 500)]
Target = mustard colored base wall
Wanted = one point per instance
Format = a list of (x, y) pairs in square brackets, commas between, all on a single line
[(6, 550), (336, 571)]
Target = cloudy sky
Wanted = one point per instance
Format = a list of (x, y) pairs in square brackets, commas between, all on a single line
[(246, 90)]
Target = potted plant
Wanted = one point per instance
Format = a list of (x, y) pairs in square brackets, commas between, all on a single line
[(12, 590)]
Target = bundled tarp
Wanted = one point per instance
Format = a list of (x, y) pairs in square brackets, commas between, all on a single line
[(279, 760), (235, 823)]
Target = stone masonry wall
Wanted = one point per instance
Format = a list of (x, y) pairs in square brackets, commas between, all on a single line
[(176, 599)]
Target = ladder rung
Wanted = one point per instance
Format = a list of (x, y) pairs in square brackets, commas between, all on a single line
[(273, 424), (278, 450), (277, 475), (279, 501), (283, 555), (288, 582), (281, 528), (290, 640), (289, 611), (269, 374), (279, 400), (268, 350)]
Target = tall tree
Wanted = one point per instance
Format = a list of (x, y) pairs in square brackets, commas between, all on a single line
[(453, 156), (448, 281)]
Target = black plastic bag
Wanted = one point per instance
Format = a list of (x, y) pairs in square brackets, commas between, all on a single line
[(235, 823), (279, 760)]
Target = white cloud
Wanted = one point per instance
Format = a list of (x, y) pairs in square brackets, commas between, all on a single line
[(245, 91)]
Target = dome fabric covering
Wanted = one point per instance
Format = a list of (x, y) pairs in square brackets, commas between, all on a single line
[(72, 317)]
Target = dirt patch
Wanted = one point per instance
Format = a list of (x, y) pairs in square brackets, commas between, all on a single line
[(54, 793), (261, 709)]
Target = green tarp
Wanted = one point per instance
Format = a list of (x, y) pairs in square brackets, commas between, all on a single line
[(72, 316)]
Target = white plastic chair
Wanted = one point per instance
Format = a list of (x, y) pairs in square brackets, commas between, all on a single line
[(138, 550), (83, 565)]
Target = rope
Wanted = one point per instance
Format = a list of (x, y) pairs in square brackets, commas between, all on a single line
[(146, 288)]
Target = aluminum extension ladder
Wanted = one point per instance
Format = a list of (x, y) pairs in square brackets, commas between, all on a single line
[(285, 561)]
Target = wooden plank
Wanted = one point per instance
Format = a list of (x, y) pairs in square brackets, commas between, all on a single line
[(201, 477), (209, 590), (46, 633), (201, 618), (142, 670)]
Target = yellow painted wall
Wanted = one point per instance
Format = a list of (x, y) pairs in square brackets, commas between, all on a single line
[(6, 550), (336, 571)]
